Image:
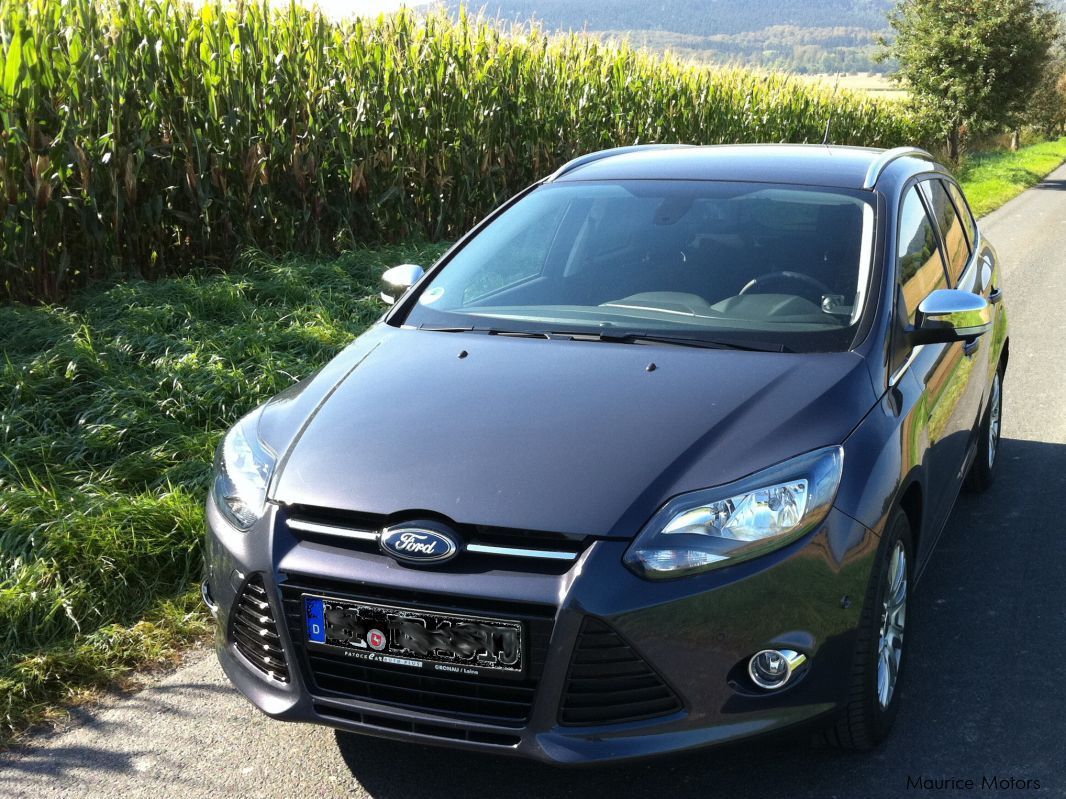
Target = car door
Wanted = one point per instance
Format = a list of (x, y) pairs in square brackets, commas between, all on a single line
[(963, 274), (940, 370)]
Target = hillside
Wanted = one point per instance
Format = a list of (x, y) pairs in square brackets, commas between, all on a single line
[(798, 35), (695, 17)]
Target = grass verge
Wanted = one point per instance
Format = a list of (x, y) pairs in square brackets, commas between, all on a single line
[(110, 410), (991, 179)]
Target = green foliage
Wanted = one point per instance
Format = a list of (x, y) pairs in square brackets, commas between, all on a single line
[(110, 410), (139, 137), (1047, 106), (972, 64)]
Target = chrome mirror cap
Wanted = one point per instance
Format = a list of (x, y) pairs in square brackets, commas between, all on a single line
[(951, 315), (397, 280)]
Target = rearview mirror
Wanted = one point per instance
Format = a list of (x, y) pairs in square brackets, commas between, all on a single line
[(396, 281), (951, 315)]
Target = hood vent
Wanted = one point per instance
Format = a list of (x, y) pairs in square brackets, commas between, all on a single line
[(254, 633), (610, 683)]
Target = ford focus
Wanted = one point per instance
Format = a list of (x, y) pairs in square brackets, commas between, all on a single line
[(651, 459)]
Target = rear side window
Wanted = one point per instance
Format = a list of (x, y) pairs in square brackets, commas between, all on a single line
[(919, 264), (964, 212), (957, 249)]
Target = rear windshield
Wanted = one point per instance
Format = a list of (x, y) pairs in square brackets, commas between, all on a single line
[(773, 264)]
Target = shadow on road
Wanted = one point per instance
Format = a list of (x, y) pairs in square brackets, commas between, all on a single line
[(1054, 185), (389, 770), (974, 704), (160, 704)]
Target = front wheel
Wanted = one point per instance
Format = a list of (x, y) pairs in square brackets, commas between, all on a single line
[(877, 669), (982, 472)]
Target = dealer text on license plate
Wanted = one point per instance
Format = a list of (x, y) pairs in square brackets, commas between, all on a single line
[(418, 639)]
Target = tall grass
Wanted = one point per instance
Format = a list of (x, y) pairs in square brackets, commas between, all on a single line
[(110, 410), (138, 137)]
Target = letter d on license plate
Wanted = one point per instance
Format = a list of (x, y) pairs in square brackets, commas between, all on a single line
[(316, 623)]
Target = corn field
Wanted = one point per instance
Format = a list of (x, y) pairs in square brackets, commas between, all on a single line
[(140, 138)]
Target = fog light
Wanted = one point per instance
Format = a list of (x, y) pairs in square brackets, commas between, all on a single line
[(773, 668)]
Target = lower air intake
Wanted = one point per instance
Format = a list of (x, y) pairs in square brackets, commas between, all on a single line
[(609, 682), (254, 633)]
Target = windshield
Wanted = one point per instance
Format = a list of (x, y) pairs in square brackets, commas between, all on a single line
[(696, 260)]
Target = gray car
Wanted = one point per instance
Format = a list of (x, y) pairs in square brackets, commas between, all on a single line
[(649, 460)]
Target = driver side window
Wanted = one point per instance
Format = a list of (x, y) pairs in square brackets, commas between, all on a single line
[(919, 264)]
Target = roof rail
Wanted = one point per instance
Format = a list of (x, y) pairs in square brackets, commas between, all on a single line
[(599, 155), (886, 158)]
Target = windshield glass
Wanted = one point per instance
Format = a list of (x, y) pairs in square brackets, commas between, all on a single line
[(711, 261)]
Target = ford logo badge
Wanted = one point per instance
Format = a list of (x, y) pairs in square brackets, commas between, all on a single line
[(417, 544)]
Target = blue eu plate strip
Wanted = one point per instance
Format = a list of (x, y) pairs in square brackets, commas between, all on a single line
[(316, 624)]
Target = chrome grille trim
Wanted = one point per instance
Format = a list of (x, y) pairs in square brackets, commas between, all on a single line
[(515, 552), (334, 530), (317, 528)]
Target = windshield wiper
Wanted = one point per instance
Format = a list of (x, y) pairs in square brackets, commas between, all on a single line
[(489, 331), (446, 329), (680, 341)]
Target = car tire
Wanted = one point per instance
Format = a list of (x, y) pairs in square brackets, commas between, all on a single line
[(879, 652), (982, 471)]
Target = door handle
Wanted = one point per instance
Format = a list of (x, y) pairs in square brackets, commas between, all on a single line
[(969, 348)]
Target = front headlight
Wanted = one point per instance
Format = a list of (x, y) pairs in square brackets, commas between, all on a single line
[(243, 466), (720, 526)]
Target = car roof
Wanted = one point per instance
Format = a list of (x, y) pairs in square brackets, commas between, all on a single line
[(808, 164)]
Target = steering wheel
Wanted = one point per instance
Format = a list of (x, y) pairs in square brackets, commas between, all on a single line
[(786, 276)]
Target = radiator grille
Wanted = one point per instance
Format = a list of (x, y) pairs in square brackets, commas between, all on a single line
[(609, 682), (254, 632)]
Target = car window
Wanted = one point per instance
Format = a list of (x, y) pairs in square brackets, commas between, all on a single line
[(957, 249), (964, 211), (781, 264), (919, 263)]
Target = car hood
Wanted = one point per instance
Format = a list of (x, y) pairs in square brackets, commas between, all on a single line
[(550, 435)]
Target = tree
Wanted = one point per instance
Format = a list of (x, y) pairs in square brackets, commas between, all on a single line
[(1047, 111), (972, 65)]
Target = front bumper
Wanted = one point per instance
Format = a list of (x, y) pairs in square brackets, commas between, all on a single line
[(695, 632)]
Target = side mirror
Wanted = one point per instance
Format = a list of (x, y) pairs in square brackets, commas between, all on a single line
[(951, 315), (396, 281)]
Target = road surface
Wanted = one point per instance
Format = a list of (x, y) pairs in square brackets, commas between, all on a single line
[(984, 697)]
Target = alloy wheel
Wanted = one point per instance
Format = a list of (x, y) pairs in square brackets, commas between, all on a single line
[(893, 618), (994, 412)]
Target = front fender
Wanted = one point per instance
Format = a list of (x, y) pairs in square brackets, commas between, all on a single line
[(884, 456)]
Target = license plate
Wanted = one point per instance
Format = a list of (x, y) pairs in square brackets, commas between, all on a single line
[(415, 639)]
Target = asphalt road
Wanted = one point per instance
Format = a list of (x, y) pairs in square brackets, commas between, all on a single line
[(984, 695)]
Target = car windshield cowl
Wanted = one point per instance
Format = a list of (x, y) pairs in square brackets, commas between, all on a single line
[(619, 337)]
